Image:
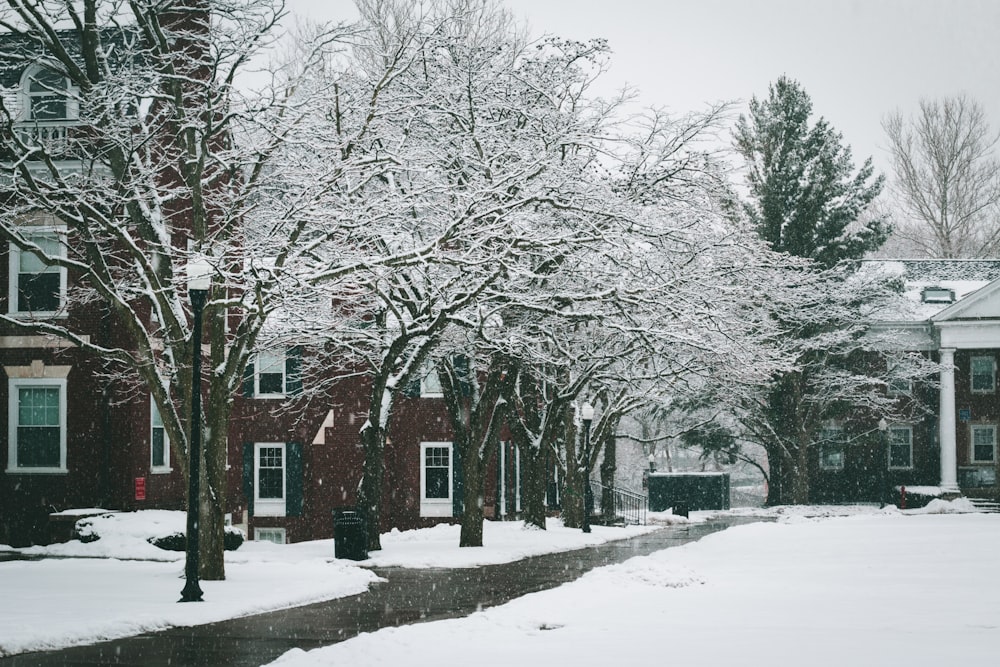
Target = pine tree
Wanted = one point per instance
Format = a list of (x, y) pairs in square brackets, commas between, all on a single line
[(806, 200), (804, 197)]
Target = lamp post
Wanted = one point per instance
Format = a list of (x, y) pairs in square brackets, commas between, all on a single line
[(883, 428), (587, 415), (199, 279)]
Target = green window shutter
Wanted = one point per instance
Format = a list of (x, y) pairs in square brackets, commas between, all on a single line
[(462, 377), (293, 370), (248, 475), (248, 373), (293, 479)]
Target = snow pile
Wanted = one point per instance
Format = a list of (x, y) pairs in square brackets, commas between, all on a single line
[(868, 589), (939, 506)]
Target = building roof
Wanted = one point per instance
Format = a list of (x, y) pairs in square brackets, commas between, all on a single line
[(962, 277)]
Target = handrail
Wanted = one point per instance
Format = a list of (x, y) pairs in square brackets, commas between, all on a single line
[(627, 506)]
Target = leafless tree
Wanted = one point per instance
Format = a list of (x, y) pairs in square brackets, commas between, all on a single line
[(947, 178)]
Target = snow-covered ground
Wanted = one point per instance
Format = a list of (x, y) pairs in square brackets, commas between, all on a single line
[(870, 588), (121, 585)]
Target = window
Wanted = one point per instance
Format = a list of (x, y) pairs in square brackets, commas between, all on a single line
[(159, 443), (430, 385), (274, 374), (984, 443), (269, 475), (37, 425), (900, 387), (983, 372), (435, 479), (275, 535), (35, 286), (831, 448), (900, 447), (47, 95)]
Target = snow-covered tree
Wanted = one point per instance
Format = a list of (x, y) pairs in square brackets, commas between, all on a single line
[(146, 159)]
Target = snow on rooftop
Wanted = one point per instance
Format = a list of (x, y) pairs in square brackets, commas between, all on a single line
[(961, 277)]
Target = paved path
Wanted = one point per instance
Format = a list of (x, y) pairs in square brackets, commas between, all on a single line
[(408, 596)]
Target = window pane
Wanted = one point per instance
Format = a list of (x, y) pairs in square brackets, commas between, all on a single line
[(431, 383), (38, 292), (437, 483), (982, 373), (38, 447), (159, 439), (983, 444), (270, 473), (271, 383)]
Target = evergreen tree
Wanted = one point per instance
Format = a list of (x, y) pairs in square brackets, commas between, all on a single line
[(806, 200), (804, 197)]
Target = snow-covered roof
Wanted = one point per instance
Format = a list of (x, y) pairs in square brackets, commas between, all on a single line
[(962, 277)]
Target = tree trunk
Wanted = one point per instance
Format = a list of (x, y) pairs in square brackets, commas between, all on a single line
[(534, 480), (473, 469), (573, 481), (609, 467), (370, 489)]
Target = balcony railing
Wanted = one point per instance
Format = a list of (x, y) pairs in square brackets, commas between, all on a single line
[(55, 137)]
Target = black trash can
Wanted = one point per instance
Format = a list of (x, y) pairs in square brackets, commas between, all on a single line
[(350, 539)]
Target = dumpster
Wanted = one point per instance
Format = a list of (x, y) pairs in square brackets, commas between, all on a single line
[(687, 492), (350, 539)]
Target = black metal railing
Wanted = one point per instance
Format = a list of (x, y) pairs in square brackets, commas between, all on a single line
[(623, 506)]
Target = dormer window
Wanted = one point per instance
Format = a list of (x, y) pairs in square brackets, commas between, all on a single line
[(937, 295), (48, 95)]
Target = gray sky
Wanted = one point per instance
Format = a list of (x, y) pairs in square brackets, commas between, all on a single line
[(858, 59)]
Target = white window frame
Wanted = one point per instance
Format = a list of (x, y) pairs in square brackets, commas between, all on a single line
[(973, 429), (153, 466), (899, 387), (283, 365), (827, 443), (14, 270), (892, 443), (72, 101), (14, 385), (436, 507), (270, 534), (270, 506), (993, 374), (430, 384)]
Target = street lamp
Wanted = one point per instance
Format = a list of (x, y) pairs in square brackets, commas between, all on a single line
[(883, 428), (199, 279), (587, 415)]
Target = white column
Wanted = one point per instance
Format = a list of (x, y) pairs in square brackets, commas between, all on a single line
[(946, 423)]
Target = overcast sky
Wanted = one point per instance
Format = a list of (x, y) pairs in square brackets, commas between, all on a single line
[(858, 59)]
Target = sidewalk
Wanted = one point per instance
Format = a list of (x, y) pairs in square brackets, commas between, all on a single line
[(408, 596)]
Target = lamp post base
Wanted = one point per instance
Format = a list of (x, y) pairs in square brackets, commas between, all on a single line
[(192, 592)]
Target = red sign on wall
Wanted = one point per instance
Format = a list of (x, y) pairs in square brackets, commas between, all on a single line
[(140, 488)]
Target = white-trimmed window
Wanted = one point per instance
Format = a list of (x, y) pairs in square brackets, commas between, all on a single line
[(48, 96), (159, 443), (900, 447), (34, 286), (983, 373), (984, 443), (269, 479), (36, 417), (275, 535), (274, 373), (430, 385), (436, 466), (831, 448), (269, 376)]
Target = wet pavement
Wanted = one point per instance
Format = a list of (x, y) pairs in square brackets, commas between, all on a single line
[(408, 596)]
